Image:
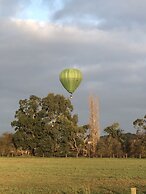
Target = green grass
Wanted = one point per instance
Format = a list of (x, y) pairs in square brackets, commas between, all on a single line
[(71, 175)]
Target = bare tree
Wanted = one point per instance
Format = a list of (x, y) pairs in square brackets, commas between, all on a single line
[(93, 124)]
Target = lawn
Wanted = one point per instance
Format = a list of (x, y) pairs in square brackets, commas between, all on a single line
[(71, 175)]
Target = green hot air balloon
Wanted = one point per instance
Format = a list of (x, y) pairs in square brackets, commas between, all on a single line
[(70, 79)]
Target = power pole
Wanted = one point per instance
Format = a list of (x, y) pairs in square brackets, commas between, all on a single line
[(93, 124)]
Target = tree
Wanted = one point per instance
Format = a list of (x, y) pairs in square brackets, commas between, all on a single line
[(6, 144), (47, 127), (114, 140), (109, 147), (93, 125), (140, 125), (128, 138), (137, 146), (114, 131)]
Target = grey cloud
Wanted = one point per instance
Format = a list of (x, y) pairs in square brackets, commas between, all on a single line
[(32, 56), (11, 8), (109, 14)]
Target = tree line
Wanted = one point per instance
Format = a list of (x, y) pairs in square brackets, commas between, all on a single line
[(48, 127)]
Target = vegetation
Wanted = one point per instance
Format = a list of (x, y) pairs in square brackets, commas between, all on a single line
[(46, 127), (35, 175), (6, 144), (119, 144), (140, 125)]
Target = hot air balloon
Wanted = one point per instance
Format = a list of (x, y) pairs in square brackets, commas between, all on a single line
[(70, 79)]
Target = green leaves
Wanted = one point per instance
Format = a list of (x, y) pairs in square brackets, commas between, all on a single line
[(140, 124), (47, 125), (114, 130)]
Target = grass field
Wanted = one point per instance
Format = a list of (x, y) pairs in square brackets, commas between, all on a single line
[(71, 175)]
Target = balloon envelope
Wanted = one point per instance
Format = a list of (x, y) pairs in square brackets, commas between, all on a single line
[(70, 79)]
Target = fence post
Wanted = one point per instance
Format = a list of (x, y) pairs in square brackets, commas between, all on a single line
[(133, 190)]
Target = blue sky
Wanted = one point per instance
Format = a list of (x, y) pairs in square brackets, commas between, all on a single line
[(105, 40), (35, 11), (38, 10)]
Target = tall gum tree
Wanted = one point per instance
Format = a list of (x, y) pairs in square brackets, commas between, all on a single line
[(47, 126)]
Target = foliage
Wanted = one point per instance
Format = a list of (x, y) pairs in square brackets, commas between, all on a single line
[(109, 147), (126, 143), (114, 131), (140, 124), (6, 144), (47, 127), (137, 146)]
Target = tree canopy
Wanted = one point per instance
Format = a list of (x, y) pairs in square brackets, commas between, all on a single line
[(47, 126), (140, 124)]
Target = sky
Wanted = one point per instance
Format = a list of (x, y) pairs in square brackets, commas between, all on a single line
[(106, 40)]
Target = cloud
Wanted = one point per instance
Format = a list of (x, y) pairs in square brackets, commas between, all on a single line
[(106, 14), (11, 8), (113, 63)]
